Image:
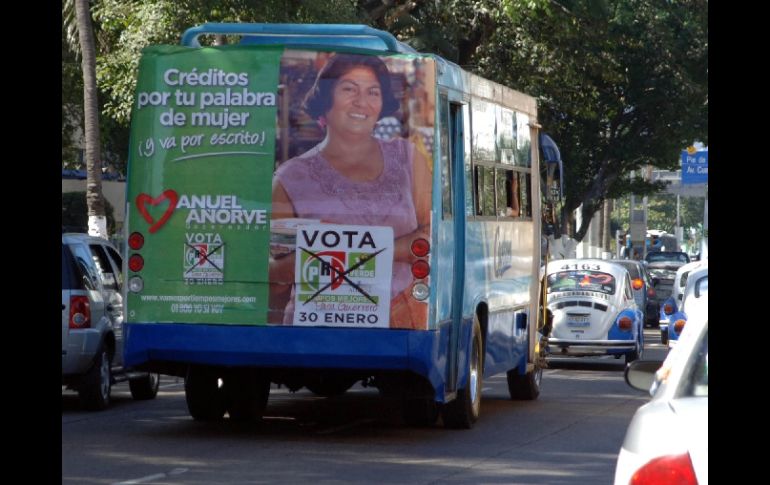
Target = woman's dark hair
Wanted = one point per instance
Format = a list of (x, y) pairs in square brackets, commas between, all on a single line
[(320, 97)]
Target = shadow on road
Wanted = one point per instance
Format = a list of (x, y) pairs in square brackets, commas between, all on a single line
[(611, 364)]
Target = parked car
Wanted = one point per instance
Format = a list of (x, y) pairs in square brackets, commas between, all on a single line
[(92, 323), (593, 308), (695, 289), (644, 293), (667, 439)]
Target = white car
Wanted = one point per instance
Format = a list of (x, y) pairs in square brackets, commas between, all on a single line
[(594, 311), (667, 439), (695, 287), (673, 303)]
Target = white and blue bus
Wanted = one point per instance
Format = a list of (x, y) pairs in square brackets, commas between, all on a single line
[(321, 205)]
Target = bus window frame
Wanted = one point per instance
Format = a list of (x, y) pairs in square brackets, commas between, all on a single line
[(523, 172)]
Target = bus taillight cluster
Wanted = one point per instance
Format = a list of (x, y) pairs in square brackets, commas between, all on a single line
[(135, 262), (420, 268)]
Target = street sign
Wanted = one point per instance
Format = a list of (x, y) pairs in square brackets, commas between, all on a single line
[(695, 167)]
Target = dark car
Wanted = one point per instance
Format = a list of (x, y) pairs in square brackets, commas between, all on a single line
[(662, 266), (644, 293)]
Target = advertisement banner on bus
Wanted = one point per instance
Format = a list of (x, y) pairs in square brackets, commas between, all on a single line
[(240, 152)]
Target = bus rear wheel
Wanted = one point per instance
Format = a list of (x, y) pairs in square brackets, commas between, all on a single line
[(527, 386), (205, 397), (246, 394), (464, 411)]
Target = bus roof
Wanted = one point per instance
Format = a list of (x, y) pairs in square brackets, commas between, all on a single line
[(363, 37), (303, 35)]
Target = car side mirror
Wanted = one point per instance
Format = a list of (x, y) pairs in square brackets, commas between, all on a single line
[(640, 374)]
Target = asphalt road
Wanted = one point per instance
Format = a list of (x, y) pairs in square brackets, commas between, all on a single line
[(570, 435)]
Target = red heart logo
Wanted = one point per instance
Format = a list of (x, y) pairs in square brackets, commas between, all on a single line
[(142, 199)]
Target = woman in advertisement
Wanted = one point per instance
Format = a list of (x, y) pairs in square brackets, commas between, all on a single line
[(353, 177)]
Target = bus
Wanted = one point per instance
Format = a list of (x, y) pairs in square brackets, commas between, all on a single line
[(316, 206)]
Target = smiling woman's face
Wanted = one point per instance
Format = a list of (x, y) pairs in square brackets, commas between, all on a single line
[(357, 102)]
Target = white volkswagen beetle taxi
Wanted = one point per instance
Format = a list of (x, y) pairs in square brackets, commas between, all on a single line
[(593, 308)]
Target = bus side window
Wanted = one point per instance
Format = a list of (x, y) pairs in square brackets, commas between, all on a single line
[(478, 189), (446, 159), (485, 191), (503, 207), (512, 196), (526, 194)]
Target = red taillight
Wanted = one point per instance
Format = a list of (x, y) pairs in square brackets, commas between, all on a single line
[(679, 325), (651, 292), (666, 469), (625, 323), (420, 247), (135, 262), (668, 309), (135, 241), (637, 284), (420, 269), (80, 312)]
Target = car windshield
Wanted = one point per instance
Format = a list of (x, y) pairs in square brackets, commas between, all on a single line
[(581, 280), (632, 268)]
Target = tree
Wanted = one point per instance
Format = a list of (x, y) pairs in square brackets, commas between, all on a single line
[(97, 221), (127, 26), (622, 84), (74, 212)]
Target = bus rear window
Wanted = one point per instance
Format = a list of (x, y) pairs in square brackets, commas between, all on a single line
[(581, 280)]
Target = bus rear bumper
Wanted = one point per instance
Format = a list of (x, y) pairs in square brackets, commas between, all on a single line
[(422, 352)]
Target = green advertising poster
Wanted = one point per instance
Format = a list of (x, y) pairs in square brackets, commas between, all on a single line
[(246, 158), (201, 163)]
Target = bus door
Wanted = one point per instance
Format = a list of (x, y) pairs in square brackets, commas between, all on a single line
[(451, 265)]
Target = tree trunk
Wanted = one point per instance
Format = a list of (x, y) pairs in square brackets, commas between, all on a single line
[(607, 236), (97, 222)]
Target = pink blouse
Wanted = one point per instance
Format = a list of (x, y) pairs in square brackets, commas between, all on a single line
[(319, 191)]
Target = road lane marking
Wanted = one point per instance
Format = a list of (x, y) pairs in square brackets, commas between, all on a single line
[(150, 478)]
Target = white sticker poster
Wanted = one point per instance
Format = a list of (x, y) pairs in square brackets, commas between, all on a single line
[(344, 276)]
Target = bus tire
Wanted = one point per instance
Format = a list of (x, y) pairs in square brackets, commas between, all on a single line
[(246, 394), (145, 387), (525, 387), (205, 399), (464, 411)]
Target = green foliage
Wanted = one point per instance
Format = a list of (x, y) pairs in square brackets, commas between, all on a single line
[(74, 213), (661, 212), (72, 104), (621, 83), (126, 27)]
